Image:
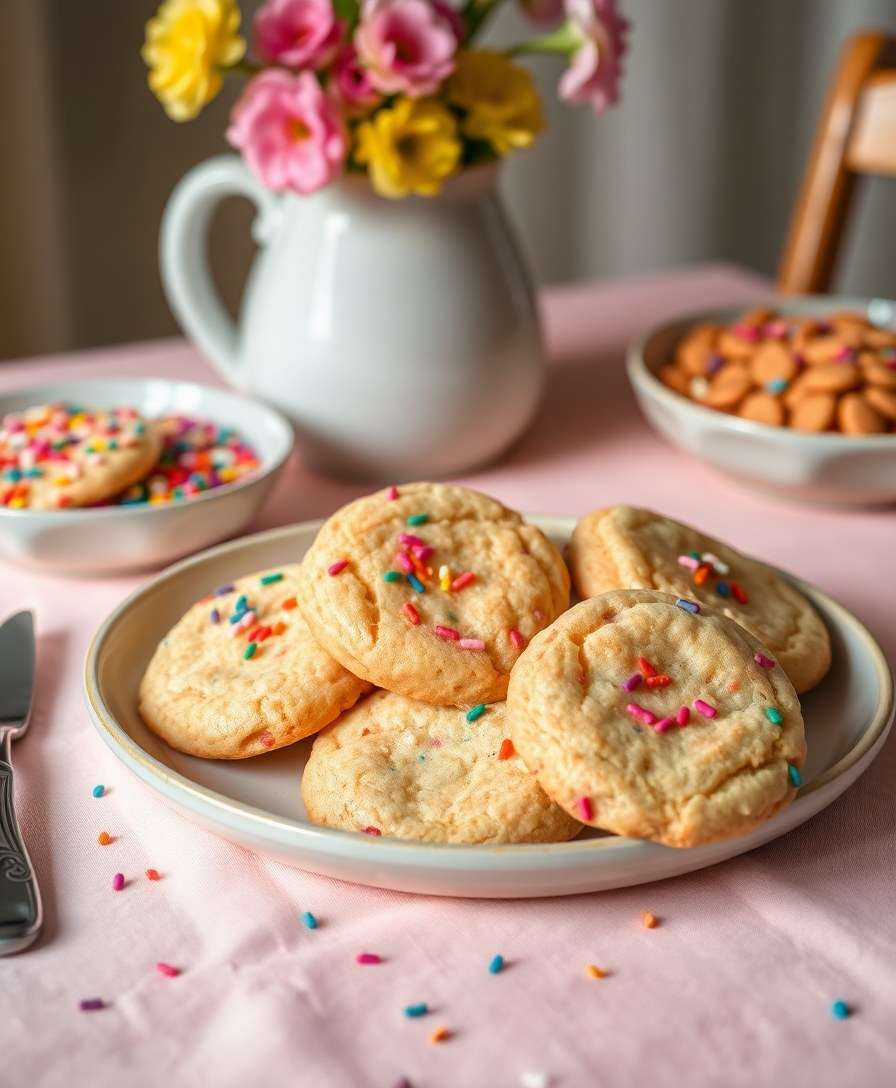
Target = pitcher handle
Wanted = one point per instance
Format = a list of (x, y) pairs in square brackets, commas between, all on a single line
[(186, 278)]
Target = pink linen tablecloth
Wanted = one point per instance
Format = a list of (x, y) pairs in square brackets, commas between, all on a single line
[(733, 988)]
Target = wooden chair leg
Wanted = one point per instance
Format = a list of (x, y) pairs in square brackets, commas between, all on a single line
[(816, 227)]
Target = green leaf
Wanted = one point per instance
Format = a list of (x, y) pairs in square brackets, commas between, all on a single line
[(348, 10)]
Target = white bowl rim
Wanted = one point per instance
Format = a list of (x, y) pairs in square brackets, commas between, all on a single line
[(267, 467), (639, 371), (330, 840)]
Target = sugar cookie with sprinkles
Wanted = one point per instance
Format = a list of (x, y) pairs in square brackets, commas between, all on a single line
[(624, 547), (240, 674), (647, 719), (404, 769), (432, 593), (54, 456)]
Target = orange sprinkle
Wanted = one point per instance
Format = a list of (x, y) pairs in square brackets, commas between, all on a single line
[(104, 838), (153, 874), (658, 681), (289, 604), (365, 731), (440, 1035), (593, 971), (506, 750), (702, 573), (646, 668), (650, 921), (411, 613), (278, 628)]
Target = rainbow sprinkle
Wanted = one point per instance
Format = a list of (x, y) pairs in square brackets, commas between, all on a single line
[(793, 773), (153, 874), (447, 633), (663, 724), (392, 493), (495, 965), (368, 958), (270, 579), (440, 1035), (683, 716), (688, 606), (418, 519), (471, 644), (411, 613), (391, 576), (416, 584), (91, 1004), (249, 651), (840, 1010), (476, 712), (704, 708), (167, 970), (516, 639), (633, 681), (593, 971), (641, 713), (413, 1011), (774, 715), (98, 791), (308, 920), (506, 750), (648, 920), (118, 882), (586, 809), (463, 580), (104, 838), (762, 661), (337, 568)]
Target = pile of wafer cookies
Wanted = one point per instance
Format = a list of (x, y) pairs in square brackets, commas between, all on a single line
[(836, 373)]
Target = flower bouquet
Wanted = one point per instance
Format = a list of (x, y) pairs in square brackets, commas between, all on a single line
[(395, 89)]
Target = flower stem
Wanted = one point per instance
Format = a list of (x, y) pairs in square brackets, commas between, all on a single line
[(475, 14), (565, 39)]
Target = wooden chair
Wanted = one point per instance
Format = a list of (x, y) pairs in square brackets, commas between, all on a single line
[(856, 136)]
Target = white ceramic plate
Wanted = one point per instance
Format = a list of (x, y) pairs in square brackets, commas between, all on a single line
[(836, 469), (257, 803), (113, 539)]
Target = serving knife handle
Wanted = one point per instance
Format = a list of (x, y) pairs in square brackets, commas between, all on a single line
[(20, 906)]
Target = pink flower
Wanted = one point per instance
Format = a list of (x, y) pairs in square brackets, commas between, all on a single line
[(596, 68), (297, 33), (408, 45), (543, 11), (351, 82), (290, 133)]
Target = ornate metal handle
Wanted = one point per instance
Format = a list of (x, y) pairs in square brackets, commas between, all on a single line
[(20, 907)]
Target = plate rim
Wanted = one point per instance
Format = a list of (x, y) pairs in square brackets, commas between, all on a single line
[(330, 841)]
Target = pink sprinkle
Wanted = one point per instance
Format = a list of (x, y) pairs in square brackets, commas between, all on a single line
[(688, 561), (633, 681), (705, 709), (338, 567), (845, 355), (167, 970), (663, 724), (367, 957), (763, 662), (683, 716), (642, 713), (393, 492), (411, 541), (447, 633), (463, 580), (586, 809), (516, 638), (403, 560), (267, 739), (777, 330), (471, 644), (422, 551), (118, 882), (746, 332)]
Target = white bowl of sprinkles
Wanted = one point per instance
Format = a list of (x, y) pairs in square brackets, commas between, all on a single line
[(210, 481)]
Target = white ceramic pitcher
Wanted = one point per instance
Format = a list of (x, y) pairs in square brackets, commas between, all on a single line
[(401, 337)]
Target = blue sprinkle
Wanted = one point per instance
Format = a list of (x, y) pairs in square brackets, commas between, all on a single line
[(98, 791), (236, 617), (416, 584), (723, 589), (688, 606), (416, 1010), (776, 385), (495, 966), (34, 472), (13, 475), (242, 603), (794, 775), (308, 920), (476, 712), (840, 1010), (222, 590), (215, 616)]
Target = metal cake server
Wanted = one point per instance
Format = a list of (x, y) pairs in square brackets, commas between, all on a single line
[(20, 907)]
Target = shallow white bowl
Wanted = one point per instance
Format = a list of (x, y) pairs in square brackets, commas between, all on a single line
[(820, 468), (115, 539), (256, 802)]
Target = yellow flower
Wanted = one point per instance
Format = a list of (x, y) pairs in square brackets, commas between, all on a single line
[(411, 147), (501, 101), (187, 42)]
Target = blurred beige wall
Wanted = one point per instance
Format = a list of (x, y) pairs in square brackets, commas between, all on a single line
[(701, 162)]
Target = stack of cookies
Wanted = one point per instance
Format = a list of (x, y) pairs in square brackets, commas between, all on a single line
[(661, 707)]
